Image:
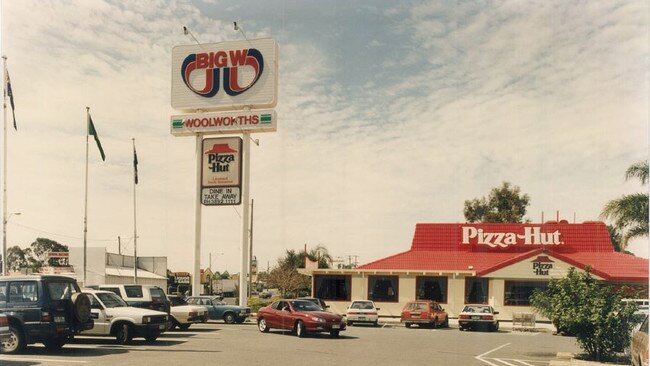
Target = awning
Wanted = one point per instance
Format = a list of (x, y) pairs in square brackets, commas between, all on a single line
[(128, 272)]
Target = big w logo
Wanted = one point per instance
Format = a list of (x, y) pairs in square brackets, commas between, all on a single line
[(212, 64)]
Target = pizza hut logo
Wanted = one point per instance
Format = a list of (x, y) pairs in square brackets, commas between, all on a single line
[(530, 236), (542, 265), (219, 157)]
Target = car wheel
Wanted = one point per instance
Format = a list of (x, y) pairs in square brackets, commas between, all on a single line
[(300, 329), (434, 325), (81, 306), (184, 326), (123, 334), (349, 323), (334, 334), (229, 318), (408, 325), (376, 323), (15, 342), (261, 324), (445, 324), (54, 344), (151, 337)]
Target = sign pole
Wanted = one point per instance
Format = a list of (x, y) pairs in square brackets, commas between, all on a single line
[(5, 262), (243, 280), (196, 279)]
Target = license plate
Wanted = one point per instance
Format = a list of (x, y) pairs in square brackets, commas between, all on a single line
[(59, 319), (476, 317), (161, 326), (335, 326)]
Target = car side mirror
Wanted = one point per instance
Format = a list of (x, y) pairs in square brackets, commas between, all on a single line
[(378, 309), (496, 312), (327, 306)]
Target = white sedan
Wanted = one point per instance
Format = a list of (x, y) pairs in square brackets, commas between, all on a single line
[(362, 311), (184, 315)]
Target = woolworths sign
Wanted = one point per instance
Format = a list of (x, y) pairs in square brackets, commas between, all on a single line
[(224, 122)]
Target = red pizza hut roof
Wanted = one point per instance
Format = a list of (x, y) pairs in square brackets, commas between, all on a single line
[(484, 248)]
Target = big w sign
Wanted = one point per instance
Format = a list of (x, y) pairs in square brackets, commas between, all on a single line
[(225, 76)]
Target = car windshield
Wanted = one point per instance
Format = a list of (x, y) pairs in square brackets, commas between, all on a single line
[(110, 300), (417, 306), (177, 301), (476, 309), (305, 306), (361, 305), (61, 290)]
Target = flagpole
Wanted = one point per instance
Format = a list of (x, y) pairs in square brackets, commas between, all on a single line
[(86, 193), (4, 172), (135, 231)]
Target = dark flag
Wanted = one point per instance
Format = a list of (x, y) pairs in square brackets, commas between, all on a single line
[(135, 165), (11, 100), (92, 131)]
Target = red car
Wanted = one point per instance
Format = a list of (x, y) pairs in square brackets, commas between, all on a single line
[(424, 313), (300, 317)]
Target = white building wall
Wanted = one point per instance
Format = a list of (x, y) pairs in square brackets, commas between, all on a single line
[(95, 267)]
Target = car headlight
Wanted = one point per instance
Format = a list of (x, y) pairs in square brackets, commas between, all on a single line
[(317, 319), (146, 319)]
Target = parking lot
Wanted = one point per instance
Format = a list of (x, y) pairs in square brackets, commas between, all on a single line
[(217, 343)]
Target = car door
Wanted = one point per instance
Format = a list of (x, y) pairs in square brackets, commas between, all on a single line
[(286, 315), (99, 316), (273, 317), (439, 312)]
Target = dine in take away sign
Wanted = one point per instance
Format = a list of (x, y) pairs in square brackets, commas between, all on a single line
[(221, 171)]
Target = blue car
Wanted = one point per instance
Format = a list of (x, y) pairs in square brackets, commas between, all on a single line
[(219, 310)]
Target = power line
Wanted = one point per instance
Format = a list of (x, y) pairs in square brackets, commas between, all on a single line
[(64, 235)]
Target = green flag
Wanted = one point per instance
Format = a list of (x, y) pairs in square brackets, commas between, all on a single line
[(92, 131)]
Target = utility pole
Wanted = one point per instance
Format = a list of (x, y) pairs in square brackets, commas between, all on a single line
[(250, 254), (119, 245)]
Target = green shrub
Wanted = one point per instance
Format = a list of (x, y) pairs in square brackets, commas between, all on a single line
[(580, 305)]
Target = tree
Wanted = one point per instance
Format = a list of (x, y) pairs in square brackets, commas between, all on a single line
[(16, 258), (42, 246), (297, 259), (630, 212), (578, 304), (503, 204), (320, 254), (286, 278)]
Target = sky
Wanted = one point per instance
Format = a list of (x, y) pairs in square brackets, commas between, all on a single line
[(390, 113)]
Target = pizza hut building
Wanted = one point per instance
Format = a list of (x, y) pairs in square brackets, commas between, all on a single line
[(496, 264)]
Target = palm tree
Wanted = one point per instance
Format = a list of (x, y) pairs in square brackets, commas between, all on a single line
[(630, 212)]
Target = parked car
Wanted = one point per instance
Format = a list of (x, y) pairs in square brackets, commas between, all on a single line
[(218, 309), (300, 317), (639, 345), (183, 315), (43, 308), (476, 316), (266, 295), (424, 313), (114, 317), (315, 300), (362, 311), (141, 296), (4, 330)]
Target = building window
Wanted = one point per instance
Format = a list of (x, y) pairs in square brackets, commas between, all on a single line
[(383, 288), (517, 293), (431, 288), (332, 287), (476, 290)]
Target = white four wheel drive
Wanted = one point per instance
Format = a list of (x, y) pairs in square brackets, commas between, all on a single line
[(113, 317)]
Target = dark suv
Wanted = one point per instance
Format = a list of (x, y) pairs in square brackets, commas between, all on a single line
[(42, 308)]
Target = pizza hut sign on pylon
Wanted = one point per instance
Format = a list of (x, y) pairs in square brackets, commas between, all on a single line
[(221, 171)]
